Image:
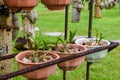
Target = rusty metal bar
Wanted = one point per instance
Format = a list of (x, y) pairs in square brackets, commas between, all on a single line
[(7, 57), (23, 71), (90, 18)]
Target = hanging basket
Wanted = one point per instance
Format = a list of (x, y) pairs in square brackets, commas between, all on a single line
[(96, 56), (73, 63), (39, 74), (21, 5), (55, 4)]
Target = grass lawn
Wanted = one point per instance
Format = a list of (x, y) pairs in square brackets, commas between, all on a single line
[(109, 25)]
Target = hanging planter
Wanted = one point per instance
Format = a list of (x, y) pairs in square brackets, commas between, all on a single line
[(21, 5), (55, 4), (90, 43), (24, 61), (67, 47), (71, 49)]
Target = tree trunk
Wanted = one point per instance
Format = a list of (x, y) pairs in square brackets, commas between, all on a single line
[(6, 27), (97, 10), (119, 5), (28, 20), (76, 10), (16, 26), (5, 44), (5, 48)]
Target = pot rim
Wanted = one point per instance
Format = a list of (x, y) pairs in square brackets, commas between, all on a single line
[(77, 41), (31, 52)]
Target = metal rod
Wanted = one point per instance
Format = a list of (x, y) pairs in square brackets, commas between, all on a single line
[(23, 71), (64, 74), (88, 70), (66, 22), (90, 18), (65, 34), (7, 57)]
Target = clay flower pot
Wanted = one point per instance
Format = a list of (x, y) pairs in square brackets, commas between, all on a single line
[(55, 4), (21, 5), (96, 56), (73, 63), (37, 74)]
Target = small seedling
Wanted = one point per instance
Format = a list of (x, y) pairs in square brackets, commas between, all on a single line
[(99, 37), (71, 36), (65, 42)]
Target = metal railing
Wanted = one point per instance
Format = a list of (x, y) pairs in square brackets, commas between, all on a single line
[(27, 70)]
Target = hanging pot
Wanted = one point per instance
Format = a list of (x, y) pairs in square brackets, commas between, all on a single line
[(96, 56), (21, 5), (55, 4), (39, 74), (73, 63)]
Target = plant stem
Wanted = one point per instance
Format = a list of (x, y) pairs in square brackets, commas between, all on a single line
[(34, 55)]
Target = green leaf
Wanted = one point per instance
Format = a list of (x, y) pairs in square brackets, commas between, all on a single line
[(34, 55), (72, 35)]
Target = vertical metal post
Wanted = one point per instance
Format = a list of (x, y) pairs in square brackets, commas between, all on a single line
[(88, 70), (90, 18), (66, 22), (65, 34), (89, 35), (64, 74)]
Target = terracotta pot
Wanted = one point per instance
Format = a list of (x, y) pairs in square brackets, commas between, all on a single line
[(73, 63), (37, 74), (55, 4), (96, 56), (21, 5)]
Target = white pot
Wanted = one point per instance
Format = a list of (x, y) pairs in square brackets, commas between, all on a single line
[(96, 56)]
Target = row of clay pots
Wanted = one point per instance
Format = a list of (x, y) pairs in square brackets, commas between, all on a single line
[(28, 5), (43, 73), (66, 65)]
